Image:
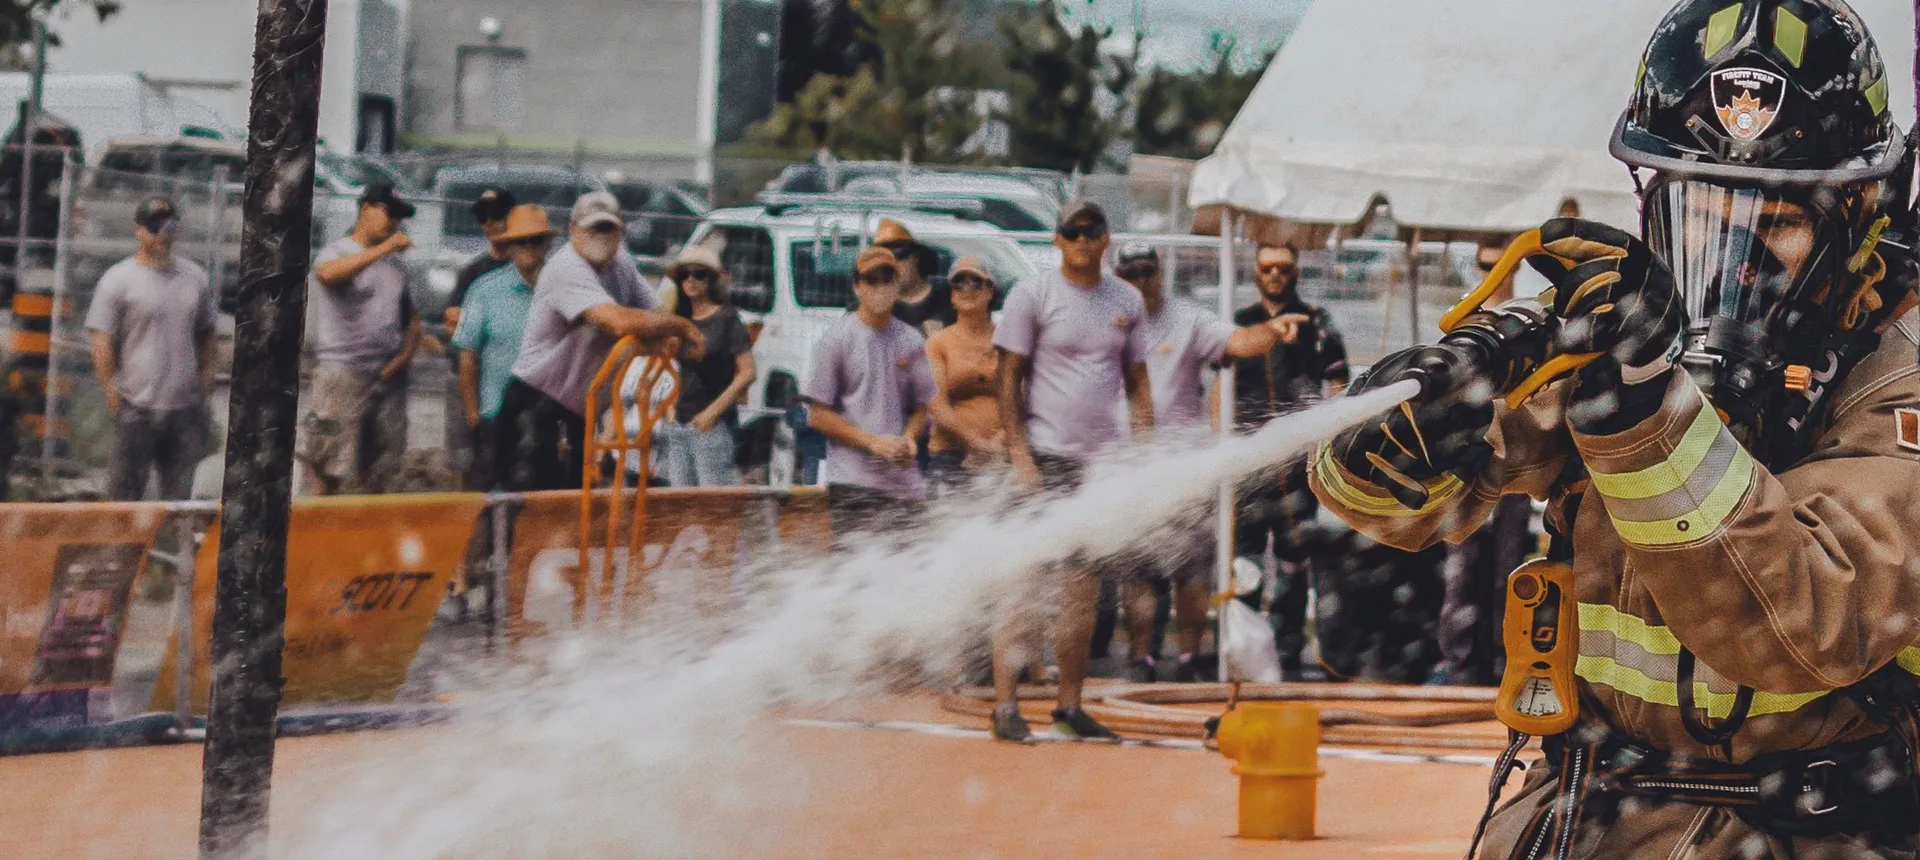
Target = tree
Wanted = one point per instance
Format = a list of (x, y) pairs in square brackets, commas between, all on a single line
[(915, 97), (1183, 115), (1065, 98), (16, 24)]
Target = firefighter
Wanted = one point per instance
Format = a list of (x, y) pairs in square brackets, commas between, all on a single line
[(1735, 481)]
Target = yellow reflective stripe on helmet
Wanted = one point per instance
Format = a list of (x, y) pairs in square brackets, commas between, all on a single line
[(1652, 638), (1876, 94), (1790, 36), (1606, 672), (1721, 28), (1672, 473), (1333, 479)]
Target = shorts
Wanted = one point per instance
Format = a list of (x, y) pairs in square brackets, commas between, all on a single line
[(1059, 473)]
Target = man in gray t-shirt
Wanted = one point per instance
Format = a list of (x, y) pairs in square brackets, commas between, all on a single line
[(1072, 347), (152, 327), (365, 333), (868, 393), (1184, 341), (589, 296)]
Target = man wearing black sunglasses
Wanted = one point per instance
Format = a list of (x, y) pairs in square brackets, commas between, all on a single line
[(926, 306), (1072, 347), (1302, 369)]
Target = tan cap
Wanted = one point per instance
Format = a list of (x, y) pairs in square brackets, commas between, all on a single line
[(595, 208), (526, 221), (891, 231), (695, 256), (874, 257), (969, 265)]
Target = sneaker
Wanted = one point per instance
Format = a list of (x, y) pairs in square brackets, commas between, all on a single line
[(1074, 723), (1008, 725), (1141, 671)]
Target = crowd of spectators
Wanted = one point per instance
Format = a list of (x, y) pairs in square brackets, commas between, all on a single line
[(917, 392)]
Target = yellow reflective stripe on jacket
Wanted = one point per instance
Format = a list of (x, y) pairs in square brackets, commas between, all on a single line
[(1632, 682), (1333, 479), (1658, 641), (1909, 659), (1686, 498), (1652, 638)]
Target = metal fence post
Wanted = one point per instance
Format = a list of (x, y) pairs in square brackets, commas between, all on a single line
[(61, 294), (186, 572), (1223, 513), (497, 510)]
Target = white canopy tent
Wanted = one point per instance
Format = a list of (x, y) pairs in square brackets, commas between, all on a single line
[(1464, 117)]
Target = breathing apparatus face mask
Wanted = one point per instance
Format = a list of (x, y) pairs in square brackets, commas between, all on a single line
[(1756, 267)]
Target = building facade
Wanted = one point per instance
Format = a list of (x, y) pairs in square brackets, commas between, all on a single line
[(202, 50)]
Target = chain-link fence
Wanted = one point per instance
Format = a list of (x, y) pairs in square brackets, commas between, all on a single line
[(89, 226)]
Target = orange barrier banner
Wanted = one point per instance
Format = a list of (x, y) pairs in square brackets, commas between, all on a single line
[(365, 575), (804, 526), (692, 548), (64, 583)]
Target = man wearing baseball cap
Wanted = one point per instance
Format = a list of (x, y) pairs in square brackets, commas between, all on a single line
[(152, 327), (490, 211), (364, 335), (868, 395), (589, 295), (925, 305), (1072, 349), (1184, 342)]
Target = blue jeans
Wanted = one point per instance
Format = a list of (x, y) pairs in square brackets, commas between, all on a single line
[(690, 458)]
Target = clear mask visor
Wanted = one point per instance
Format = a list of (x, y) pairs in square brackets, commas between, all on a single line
[(1735, 253)]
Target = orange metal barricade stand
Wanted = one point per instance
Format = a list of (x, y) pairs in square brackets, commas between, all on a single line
[(620, 443)]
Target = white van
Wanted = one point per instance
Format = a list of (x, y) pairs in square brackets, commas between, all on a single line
[(792, 281)]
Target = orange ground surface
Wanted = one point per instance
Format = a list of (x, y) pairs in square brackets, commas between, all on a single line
[(871, 793)]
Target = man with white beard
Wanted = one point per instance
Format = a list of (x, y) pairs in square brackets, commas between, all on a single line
[(589, 296)]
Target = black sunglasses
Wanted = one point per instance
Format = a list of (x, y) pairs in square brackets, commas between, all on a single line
[(530, 242), (900, 247), (696, 274), (1139, 271), (879, 277), (1278, 268), (970, 282), (1092, 232)]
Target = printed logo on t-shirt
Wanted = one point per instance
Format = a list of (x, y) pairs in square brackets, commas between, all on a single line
[(1120, 321), (1166, 349)]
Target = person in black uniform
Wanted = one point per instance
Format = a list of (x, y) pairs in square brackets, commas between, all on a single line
[(1295, 374)]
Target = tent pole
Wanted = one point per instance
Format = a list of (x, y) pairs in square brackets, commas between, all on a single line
[(1223, 505), (1413, 289)]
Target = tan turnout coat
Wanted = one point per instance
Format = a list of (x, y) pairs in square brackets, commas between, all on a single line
[(1795, 584)]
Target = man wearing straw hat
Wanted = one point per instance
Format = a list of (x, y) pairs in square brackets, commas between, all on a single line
[(489, 334)]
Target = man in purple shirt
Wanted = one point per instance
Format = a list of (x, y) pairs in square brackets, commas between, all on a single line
[(1184, 341), (868, 395), (1072, 346), (590, 295)]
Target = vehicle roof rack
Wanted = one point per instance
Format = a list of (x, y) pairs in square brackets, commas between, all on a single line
[(784, 203)]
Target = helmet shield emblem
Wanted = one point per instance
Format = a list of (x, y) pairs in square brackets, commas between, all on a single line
[(1747, 100)]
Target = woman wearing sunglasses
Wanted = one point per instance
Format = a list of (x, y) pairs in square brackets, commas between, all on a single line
[(965, 406), (698, 448)]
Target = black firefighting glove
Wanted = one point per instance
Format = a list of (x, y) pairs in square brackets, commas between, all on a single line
[(1440, 431), (1617, 299)]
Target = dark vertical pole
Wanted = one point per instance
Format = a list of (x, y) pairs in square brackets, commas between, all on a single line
[(250, 596)]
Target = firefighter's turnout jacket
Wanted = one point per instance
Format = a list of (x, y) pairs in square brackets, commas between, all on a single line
[(1796, 584)]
